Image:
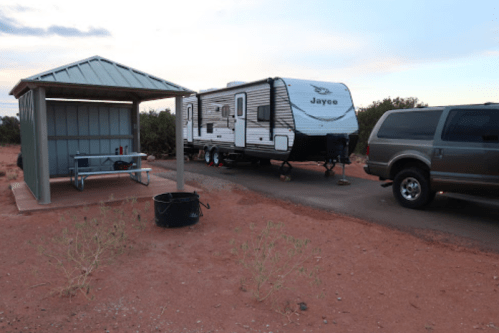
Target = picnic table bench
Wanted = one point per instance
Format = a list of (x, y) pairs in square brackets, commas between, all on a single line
[(80, 176)]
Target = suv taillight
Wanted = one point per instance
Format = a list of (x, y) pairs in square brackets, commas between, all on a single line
[(367, 151)]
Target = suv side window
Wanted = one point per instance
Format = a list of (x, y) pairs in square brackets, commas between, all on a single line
[(410, 125), (472, 126)]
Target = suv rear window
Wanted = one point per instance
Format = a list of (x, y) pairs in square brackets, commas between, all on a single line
[(472, 126), (410, 125)]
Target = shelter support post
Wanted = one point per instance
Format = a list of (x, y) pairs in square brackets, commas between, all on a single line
[(42, 149), (136, 136), (179, 140)]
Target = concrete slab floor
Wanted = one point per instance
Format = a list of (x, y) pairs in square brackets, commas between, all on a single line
[(98, 189)]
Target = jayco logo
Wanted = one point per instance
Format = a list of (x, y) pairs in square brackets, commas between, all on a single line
[(321, 91), (324, 101)]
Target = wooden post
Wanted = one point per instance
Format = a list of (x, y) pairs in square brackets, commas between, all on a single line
[(179, 143)]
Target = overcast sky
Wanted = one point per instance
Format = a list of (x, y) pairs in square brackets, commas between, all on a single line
[(442, 52)]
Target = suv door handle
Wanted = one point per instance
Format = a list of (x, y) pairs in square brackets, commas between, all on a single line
[(438, 153)]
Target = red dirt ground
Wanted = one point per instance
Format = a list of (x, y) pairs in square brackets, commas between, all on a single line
[(373, 279)]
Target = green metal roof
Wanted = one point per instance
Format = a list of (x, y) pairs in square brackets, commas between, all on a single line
[(100, 78)]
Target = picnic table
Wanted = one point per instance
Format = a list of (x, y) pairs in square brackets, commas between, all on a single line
[(81, 163)]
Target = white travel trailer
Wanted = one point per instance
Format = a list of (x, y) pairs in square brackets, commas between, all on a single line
[(281, 119)]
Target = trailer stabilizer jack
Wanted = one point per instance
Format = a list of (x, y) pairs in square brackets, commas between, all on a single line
[(285, 168)]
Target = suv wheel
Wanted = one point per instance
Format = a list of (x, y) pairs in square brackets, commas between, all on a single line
[(411, 188)]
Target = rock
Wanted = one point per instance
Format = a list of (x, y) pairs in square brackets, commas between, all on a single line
[(150, 158)]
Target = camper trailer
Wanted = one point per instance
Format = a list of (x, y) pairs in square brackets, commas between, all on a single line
[(275, 118)]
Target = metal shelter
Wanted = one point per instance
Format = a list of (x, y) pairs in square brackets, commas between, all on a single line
[(51, 130)]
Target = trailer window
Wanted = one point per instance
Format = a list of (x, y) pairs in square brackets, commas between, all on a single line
[(225, 111), (239, 107), (209, 128), (264, 113)]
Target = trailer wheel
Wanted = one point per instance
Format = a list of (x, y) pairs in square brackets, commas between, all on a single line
[(207, 156), (217, 157)]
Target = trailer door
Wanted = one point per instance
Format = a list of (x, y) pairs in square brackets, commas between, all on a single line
[(190, 127), (240, 126)]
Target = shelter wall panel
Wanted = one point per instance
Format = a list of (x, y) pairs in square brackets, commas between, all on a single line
[(125, 126), (84, 146), (52, 157), (104, 120), (82, 120), (50, 120), (105, 146), (62, 156), (72, 121), (114, 121), (93, 121), (73, 147), (115, 143), (94, 149), (61, 126)]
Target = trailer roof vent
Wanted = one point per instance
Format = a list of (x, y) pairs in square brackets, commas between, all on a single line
[(234, 83)]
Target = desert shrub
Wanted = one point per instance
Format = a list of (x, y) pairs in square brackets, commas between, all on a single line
[(273, 259), (157, 132), (369, 116), (89, 243)]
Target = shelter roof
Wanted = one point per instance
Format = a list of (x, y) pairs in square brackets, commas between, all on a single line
[(98, 78)]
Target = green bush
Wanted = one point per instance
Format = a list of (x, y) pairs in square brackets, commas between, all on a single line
[(369, 116), (157, 132), (10, 131)]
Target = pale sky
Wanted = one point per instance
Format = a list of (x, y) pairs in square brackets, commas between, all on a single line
[(442, 52)]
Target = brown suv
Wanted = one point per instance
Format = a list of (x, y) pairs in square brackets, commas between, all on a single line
[(425, 150)]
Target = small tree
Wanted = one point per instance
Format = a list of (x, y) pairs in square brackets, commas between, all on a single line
[(157, 132), (10, 131), (368, 117)]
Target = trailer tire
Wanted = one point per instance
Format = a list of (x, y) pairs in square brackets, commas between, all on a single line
[(207, 156), (217, 157)]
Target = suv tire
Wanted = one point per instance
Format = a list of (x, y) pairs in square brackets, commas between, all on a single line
[(411, 188)]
